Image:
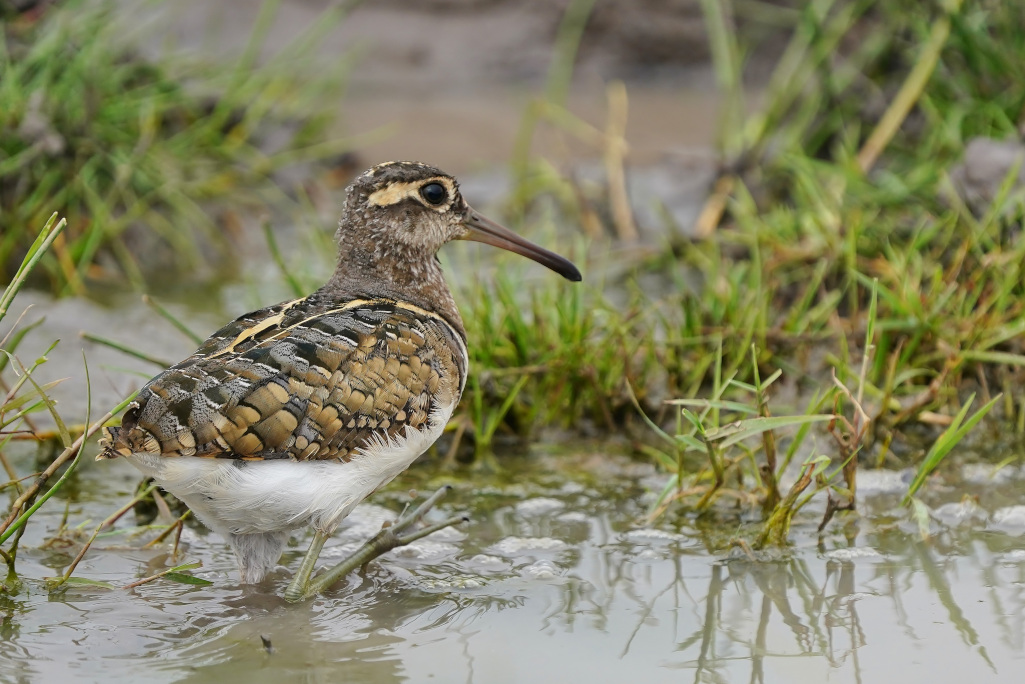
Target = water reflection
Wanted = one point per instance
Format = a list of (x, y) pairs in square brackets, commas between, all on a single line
[(552, 583)]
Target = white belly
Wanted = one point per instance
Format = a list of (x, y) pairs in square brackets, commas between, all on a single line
[(232, 496)]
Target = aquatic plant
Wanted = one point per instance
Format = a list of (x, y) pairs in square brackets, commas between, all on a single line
[(23, 397), (737, 433)]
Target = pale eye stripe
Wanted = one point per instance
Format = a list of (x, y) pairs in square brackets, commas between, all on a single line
[(400, 190)]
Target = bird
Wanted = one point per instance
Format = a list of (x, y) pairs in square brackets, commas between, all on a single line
[(290, 416)]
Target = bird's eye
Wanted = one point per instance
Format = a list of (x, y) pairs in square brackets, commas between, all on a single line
[(434, 193)]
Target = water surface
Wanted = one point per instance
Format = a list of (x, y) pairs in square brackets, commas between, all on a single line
[(556, 579)]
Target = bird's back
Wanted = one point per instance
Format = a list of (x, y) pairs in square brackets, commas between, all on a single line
[(311, 379)]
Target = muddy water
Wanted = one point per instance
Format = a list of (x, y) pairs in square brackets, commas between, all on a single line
[(554, 580)]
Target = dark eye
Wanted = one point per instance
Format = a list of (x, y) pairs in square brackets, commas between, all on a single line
[(434, 193)]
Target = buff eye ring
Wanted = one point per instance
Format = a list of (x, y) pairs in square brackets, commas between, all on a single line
[(434, 193)]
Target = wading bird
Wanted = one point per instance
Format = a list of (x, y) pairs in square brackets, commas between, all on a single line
[(291, 415)]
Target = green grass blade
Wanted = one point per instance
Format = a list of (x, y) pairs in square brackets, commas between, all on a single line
[(11, 342), (736, 432), (734, 406), (172, 319), (272, 244), (85, 582), (182, 578), (24, 517), (51, 405), (42, 243), (125, 349), (947, 440)]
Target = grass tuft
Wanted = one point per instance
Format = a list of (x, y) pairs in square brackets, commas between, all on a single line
[(836, 232), (138, 154)]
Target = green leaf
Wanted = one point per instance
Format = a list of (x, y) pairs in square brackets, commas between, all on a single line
[(187, 566), (1005, 358), (85, 582), (947, 440), (818, 464), (62, 429), (31, 408), (691, 442), (16, 338), (771, 379), (920, 512), (28, 396), (696, 422), (272, 244), (671, 484), (735, 406), (637, 405), (182, 578), (742, 429), (667, 461), (170, 318), (42, 243)]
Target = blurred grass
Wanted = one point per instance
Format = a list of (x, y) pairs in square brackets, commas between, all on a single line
[(138, 154)]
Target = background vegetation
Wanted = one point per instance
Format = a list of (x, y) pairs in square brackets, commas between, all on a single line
[(839, 244), (146, 159)]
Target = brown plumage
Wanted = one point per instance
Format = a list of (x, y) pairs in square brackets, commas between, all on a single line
[(291, 415), (299, 381)]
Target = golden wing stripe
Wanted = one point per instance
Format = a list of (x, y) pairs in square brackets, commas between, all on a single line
[(352, 304), (250, 333)]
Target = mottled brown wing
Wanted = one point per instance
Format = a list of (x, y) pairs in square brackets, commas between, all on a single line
[(301, 381)]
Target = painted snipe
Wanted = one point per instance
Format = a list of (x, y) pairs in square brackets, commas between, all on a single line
[(291, 415)]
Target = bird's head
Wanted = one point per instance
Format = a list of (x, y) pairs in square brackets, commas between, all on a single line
[(413, 209)]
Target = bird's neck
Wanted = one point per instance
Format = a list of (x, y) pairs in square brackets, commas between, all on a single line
[(368, 271)]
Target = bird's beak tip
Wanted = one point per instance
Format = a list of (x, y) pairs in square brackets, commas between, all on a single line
[(481, 229)]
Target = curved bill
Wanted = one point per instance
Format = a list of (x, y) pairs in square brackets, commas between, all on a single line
[(490, 233)]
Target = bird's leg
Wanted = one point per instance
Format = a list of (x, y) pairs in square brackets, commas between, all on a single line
[(297, 587), (388, 538)]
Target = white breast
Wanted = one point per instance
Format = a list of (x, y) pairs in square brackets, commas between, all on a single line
[(232, 496)]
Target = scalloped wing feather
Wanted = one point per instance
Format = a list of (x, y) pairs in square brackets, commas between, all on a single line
[(300, 381)]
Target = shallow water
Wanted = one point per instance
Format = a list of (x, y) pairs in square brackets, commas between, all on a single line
[(554, 580)]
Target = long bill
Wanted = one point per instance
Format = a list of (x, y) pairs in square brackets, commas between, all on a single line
[(485, 230)]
